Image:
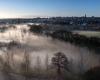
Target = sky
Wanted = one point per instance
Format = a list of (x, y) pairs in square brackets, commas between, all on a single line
[(48, 8)]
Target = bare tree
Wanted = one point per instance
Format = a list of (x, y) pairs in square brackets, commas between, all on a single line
[(38, 64), (6, 63), (25, 66), (47, 62), (6, 67), (60, 61)]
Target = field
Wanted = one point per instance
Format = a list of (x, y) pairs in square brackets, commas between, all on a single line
[(88, 33)]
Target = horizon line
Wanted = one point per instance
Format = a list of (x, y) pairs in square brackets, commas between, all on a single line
[(42, 17)]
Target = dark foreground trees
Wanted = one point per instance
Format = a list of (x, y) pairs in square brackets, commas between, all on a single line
[(93, 74), (60, 61), (61, 69)]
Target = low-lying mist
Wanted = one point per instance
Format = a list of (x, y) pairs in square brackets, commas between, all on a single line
[(40, 47)]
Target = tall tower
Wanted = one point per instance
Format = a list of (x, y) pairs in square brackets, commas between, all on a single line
[(85, 16)]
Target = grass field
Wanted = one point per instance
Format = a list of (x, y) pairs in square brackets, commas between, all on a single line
[(88, 33)]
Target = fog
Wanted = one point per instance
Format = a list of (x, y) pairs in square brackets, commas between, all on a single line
[(42, 46)]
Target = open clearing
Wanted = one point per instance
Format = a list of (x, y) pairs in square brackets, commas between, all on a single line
[(88, 33)]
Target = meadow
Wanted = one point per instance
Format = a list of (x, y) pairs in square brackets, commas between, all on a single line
[(88, 33)]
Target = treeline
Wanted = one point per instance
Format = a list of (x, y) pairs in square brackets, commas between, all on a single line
[(80, 40), (58, 69)]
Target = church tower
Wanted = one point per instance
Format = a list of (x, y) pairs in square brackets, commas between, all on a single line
[(85, 16)]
